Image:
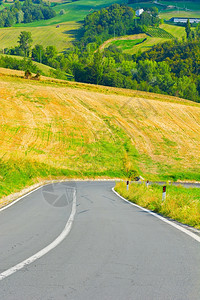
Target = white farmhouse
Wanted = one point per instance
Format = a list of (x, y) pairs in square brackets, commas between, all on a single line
[(139, 12)]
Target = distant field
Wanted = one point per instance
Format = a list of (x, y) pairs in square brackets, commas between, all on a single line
[(49, 35), (74, 11), (130, 45), (159, 32), (183, 4), (176, 31), (166, 15), (181, 9), (124, 39), (56, 128), (147, 43), (127, 44)]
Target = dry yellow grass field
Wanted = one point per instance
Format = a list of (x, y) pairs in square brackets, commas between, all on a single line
[(85, 130)]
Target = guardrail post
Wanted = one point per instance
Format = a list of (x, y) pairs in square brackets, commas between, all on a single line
[(127, 185), (164, 193)]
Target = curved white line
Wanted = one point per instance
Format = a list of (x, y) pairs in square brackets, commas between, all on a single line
[(48, 248), (15, 201), (191, 234)]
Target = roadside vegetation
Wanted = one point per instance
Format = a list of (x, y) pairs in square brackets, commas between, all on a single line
[(181, 204)]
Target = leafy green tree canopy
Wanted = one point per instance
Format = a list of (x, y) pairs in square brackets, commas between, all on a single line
[(25, 41)]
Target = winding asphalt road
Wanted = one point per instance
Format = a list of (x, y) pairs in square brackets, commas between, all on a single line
[(114, 251)]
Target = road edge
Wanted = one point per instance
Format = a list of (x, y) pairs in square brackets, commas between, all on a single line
[(186, 231)]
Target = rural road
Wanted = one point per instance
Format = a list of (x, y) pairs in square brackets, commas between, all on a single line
[(114, 251)]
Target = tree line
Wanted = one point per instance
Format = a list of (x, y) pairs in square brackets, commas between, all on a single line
[(25, 13)]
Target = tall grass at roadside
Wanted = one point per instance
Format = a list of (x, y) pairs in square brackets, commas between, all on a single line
[(15, 175), (181, 204)]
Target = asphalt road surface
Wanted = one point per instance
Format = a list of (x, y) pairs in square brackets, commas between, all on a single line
[(114, 251)]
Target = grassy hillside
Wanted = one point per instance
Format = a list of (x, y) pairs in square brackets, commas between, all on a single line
[(142, 42), (133, 43), (74, 11), (46, 70), (60, 37), (167, 15), (50, 129), (177, 31)]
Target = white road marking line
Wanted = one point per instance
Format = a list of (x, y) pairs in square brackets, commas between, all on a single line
[(191, 234), (48, 248), (15, 201)]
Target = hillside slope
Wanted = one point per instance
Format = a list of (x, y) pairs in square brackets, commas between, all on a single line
[(56, 128)]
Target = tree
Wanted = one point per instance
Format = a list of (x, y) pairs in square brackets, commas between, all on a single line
[(20, 16), (25, 41), (198, 31), (145, 19), (146, 71), (17, 4), (98, 66), (188, 29), (38, 53), (10, 20), (51, 52), (62, 12), (186, 88)]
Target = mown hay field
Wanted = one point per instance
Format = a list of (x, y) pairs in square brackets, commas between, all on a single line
[(60, 37), (54, 128)]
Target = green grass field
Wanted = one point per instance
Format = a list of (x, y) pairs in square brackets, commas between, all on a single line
[(147, 44), (127, 44), (166, 15), (177, 31), (74, 11), (183, 4), (49, 35)]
